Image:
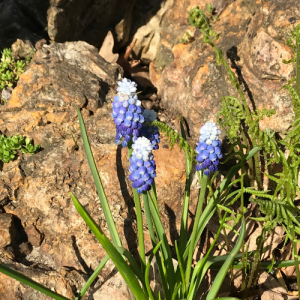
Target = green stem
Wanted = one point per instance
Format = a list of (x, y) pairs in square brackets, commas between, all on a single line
[(257, 256), (195, 227), (93, 277), (243, 243), (139, 219), (295, 254), (154, 196), (185, 208), (153, 240), (228, 250), (297, 65)]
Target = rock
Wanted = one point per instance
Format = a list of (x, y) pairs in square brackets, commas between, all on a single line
[(253, 40), (24, 20), (34, 236), (86, 20), (39, 44), (21, 49), (114, 288), (7, 231), (148, 36), (5, 94), (36, 188), (25, 248), (106, 50)]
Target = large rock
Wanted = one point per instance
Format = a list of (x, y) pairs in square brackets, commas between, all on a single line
[(66, 20), (36, 188), (22, 19), (253, 38), (87, 20)]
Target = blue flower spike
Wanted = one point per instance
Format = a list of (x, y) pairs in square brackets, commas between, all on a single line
[(127, 112), (209, 148), (150, 132), (142, 165)]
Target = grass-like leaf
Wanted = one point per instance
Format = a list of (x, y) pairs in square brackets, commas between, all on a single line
[(186, 197), (107, 213), (25, 280), (93, 277), (125, 271), (228, 262)]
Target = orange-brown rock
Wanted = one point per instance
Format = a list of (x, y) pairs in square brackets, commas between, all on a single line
[(252, 36)]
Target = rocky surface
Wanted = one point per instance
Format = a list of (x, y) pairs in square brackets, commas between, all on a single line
[(22, 19), (253, 38), (95, 19), (85, 20), (35, 189), (147, 36)]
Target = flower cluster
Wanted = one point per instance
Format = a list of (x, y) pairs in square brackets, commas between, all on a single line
[(150, 132), (209, 148), (127, 112), (142, 166)]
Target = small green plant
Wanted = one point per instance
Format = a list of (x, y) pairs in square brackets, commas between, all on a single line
[(10, 70), (242, 128), (11, 144)]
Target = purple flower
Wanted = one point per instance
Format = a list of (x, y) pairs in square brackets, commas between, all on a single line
[(209, 148), (127, 112), (142, 166)]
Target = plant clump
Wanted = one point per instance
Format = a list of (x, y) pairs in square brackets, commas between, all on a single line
[(10, 145), (10, 70)]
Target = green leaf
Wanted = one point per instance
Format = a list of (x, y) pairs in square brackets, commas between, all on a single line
[(125, 271), (225, 267), (186, 197), (25, 280), (147, 281), (107, 213), (93, 277)]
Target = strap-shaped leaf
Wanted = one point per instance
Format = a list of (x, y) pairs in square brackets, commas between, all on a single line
[(125, 271), (228, 262), (24, 279), (107, 213)]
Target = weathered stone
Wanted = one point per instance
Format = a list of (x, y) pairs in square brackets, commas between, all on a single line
[(25, 20), (114, 288), (252, 37), (5, 94), (21, 49), (148, 36), (34, 236), (85, 20), (7, 230)]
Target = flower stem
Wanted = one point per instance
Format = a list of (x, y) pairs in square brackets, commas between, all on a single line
[(139, 219), (255, 265), (295, 254), (195, 227)]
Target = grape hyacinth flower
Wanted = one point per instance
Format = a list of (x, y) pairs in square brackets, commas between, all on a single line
[(142, 165), (209, 148), (150, 132), (127, 112)]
